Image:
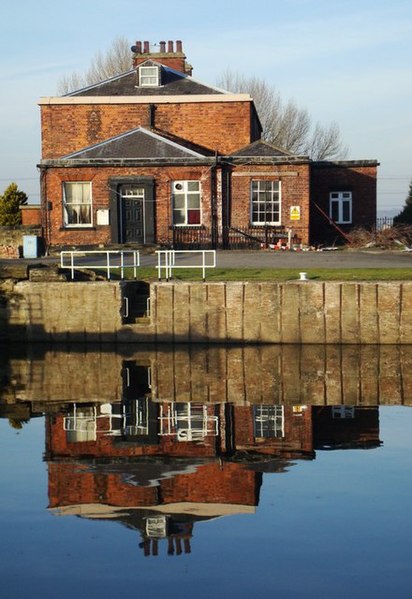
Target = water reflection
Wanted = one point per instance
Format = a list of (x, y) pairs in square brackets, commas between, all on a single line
[(161, 467), (160, 439), (289, 375)]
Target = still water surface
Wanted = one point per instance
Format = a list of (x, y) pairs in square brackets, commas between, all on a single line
[(122, 490)]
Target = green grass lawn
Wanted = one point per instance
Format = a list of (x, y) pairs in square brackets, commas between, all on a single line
[(282, 274)]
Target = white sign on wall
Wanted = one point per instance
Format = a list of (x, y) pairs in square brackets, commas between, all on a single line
[(102, 217)]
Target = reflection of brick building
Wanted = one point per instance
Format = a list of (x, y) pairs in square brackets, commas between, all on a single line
[(345, 427), (158, 468)]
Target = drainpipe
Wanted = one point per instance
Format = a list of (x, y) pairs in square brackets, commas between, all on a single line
[(213, 204), (45, 210)]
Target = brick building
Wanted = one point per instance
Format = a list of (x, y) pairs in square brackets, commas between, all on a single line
[(155, 156)]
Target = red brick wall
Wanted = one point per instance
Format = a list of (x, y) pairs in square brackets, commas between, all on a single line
[(72, 483), (175, 62), (101, 196), (220, 126), (295, 181), (360, 180), (30, 215), (106, 446), (297, 429)]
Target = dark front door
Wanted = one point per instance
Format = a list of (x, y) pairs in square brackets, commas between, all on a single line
[(132, 214)]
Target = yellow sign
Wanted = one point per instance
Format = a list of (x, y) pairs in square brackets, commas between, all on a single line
[(295, 213)]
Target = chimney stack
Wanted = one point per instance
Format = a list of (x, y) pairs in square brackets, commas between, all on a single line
[(170, 56)]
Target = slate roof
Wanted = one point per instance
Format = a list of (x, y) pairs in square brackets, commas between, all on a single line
[(139, 143), (261, 148), (173, 83)]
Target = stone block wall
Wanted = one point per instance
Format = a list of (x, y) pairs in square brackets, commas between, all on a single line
[(225, 313), (11, 240)]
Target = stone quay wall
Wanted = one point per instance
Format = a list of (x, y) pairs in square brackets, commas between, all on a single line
[(229, 312)]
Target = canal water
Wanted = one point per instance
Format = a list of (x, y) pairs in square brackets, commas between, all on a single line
[(206, 472)]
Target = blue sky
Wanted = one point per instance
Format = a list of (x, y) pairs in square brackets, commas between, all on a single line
[(345, 61)]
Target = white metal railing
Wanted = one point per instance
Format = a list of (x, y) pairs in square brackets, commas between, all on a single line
[(166, 260), (114, 259)]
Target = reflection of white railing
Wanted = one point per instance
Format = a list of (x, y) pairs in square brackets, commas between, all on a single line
[(166, 260), (187, 422), (113, 259), (107, 419)]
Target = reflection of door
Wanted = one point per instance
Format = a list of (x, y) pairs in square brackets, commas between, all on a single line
[(132, 214)]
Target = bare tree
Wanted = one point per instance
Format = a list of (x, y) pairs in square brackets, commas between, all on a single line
[(116, 60), (285, 124)]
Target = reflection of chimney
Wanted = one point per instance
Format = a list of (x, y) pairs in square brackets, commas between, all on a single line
[(170, 546)]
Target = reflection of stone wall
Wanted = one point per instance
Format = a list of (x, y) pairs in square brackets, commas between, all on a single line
[(66, 376), (288, 374), (232, 312)]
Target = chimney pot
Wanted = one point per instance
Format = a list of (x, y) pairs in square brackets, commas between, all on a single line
[(170, 46), (146, 48), (162, 47), (138, 47), (179, 47)]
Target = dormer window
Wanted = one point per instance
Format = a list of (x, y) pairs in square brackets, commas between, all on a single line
[(149, 76)]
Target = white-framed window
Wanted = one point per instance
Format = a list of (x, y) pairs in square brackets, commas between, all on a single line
[(149, 76), (77, 204), (340, 206), (265, 203), (186, 203)]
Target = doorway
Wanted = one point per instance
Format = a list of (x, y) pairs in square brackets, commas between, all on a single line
[(132, 209)]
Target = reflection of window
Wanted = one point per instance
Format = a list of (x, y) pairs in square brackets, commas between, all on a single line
[(265, 202), (268, 421), (156, 527), (186, 203), (149, 76), (343, 412), (340, 206), (187, 421), (77, 202)]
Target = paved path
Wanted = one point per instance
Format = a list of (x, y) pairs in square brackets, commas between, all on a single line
[(279, 259), (304, 260), (328, 259)]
